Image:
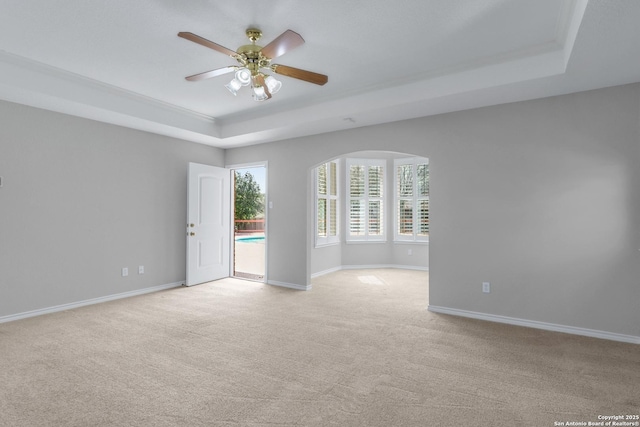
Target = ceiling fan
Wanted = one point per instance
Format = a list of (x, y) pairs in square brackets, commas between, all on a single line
[(253, 59)]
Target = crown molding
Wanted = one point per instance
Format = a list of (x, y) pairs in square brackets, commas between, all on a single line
[(29, 82)]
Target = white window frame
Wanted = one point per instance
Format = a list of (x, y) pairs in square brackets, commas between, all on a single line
[(366, 238), (328, 239), (415, 198)]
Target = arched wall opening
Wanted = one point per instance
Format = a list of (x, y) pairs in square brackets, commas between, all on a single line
[(390, 252)]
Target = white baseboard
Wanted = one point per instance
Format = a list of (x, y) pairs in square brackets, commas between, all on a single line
[(367, 267), (536, 324), (91, 301), (398, 266), (328, 271), (289, 285)]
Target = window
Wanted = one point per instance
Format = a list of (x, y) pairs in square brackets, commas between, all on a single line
[(327, 231), (365, 200), (412, 199)]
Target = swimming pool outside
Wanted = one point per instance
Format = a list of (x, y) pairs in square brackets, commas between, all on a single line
[(250, 239)]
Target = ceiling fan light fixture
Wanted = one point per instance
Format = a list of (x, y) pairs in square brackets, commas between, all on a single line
[(259, 94), (243, 75), (234, 86), (272, 84)]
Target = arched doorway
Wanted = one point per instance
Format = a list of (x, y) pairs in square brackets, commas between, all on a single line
[(393, 226)]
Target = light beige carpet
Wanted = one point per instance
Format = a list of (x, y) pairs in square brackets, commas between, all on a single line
[(360, 349)]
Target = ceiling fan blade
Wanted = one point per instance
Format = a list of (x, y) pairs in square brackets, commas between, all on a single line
[(297, 73), (260, 80), (207, 43), (282, 44), (212, 73)]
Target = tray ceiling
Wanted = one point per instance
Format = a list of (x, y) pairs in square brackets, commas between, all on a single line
[(121, 62)]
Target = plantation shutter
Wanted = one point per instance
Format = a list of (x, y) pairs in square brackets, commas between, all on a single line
[(327, 203), (366, 203), (321, 173), (404, 178), (423, 199), (333, 199), (412, 199), (356, 200)]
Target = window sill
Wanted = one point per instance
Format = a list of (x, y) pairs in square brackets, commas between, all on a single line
[(364, 242), (411, 242), (324, 245)]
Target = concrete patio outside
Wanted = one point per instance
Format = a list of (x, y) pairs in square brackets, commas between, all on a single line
[(249, 254)]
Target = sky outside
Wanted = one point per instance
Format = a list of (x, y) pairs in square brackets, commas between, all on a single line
[(259, 175)]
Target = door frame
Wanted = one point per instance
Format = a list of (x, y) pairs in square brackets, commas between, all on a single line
[(267, 207)]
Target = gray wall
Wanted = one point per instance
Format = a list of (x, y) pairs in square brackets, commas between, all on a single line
[(540, 198), (83, 199)]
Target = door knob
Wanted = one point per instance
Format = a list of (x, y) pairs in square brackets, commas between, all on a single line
[(192, 234)]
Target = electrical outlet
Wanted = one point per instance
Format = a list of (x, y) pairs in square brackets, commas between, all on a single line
[(141, 269), (486, 287), (125, 271)]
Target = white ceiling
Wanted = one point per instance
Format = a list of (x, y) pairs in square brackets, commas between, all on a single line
[(121, 61)]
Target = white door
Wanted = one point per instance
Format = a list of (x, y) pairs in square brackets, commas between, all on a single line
[(209, 224)]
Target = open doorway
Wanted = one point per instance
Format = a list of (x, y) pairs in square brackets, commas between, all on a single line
[(369, 209), (249, 242)]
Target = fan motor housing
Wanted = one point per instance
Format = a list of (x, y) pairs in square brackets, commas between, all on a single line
[(250, 50), (252, 58)]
